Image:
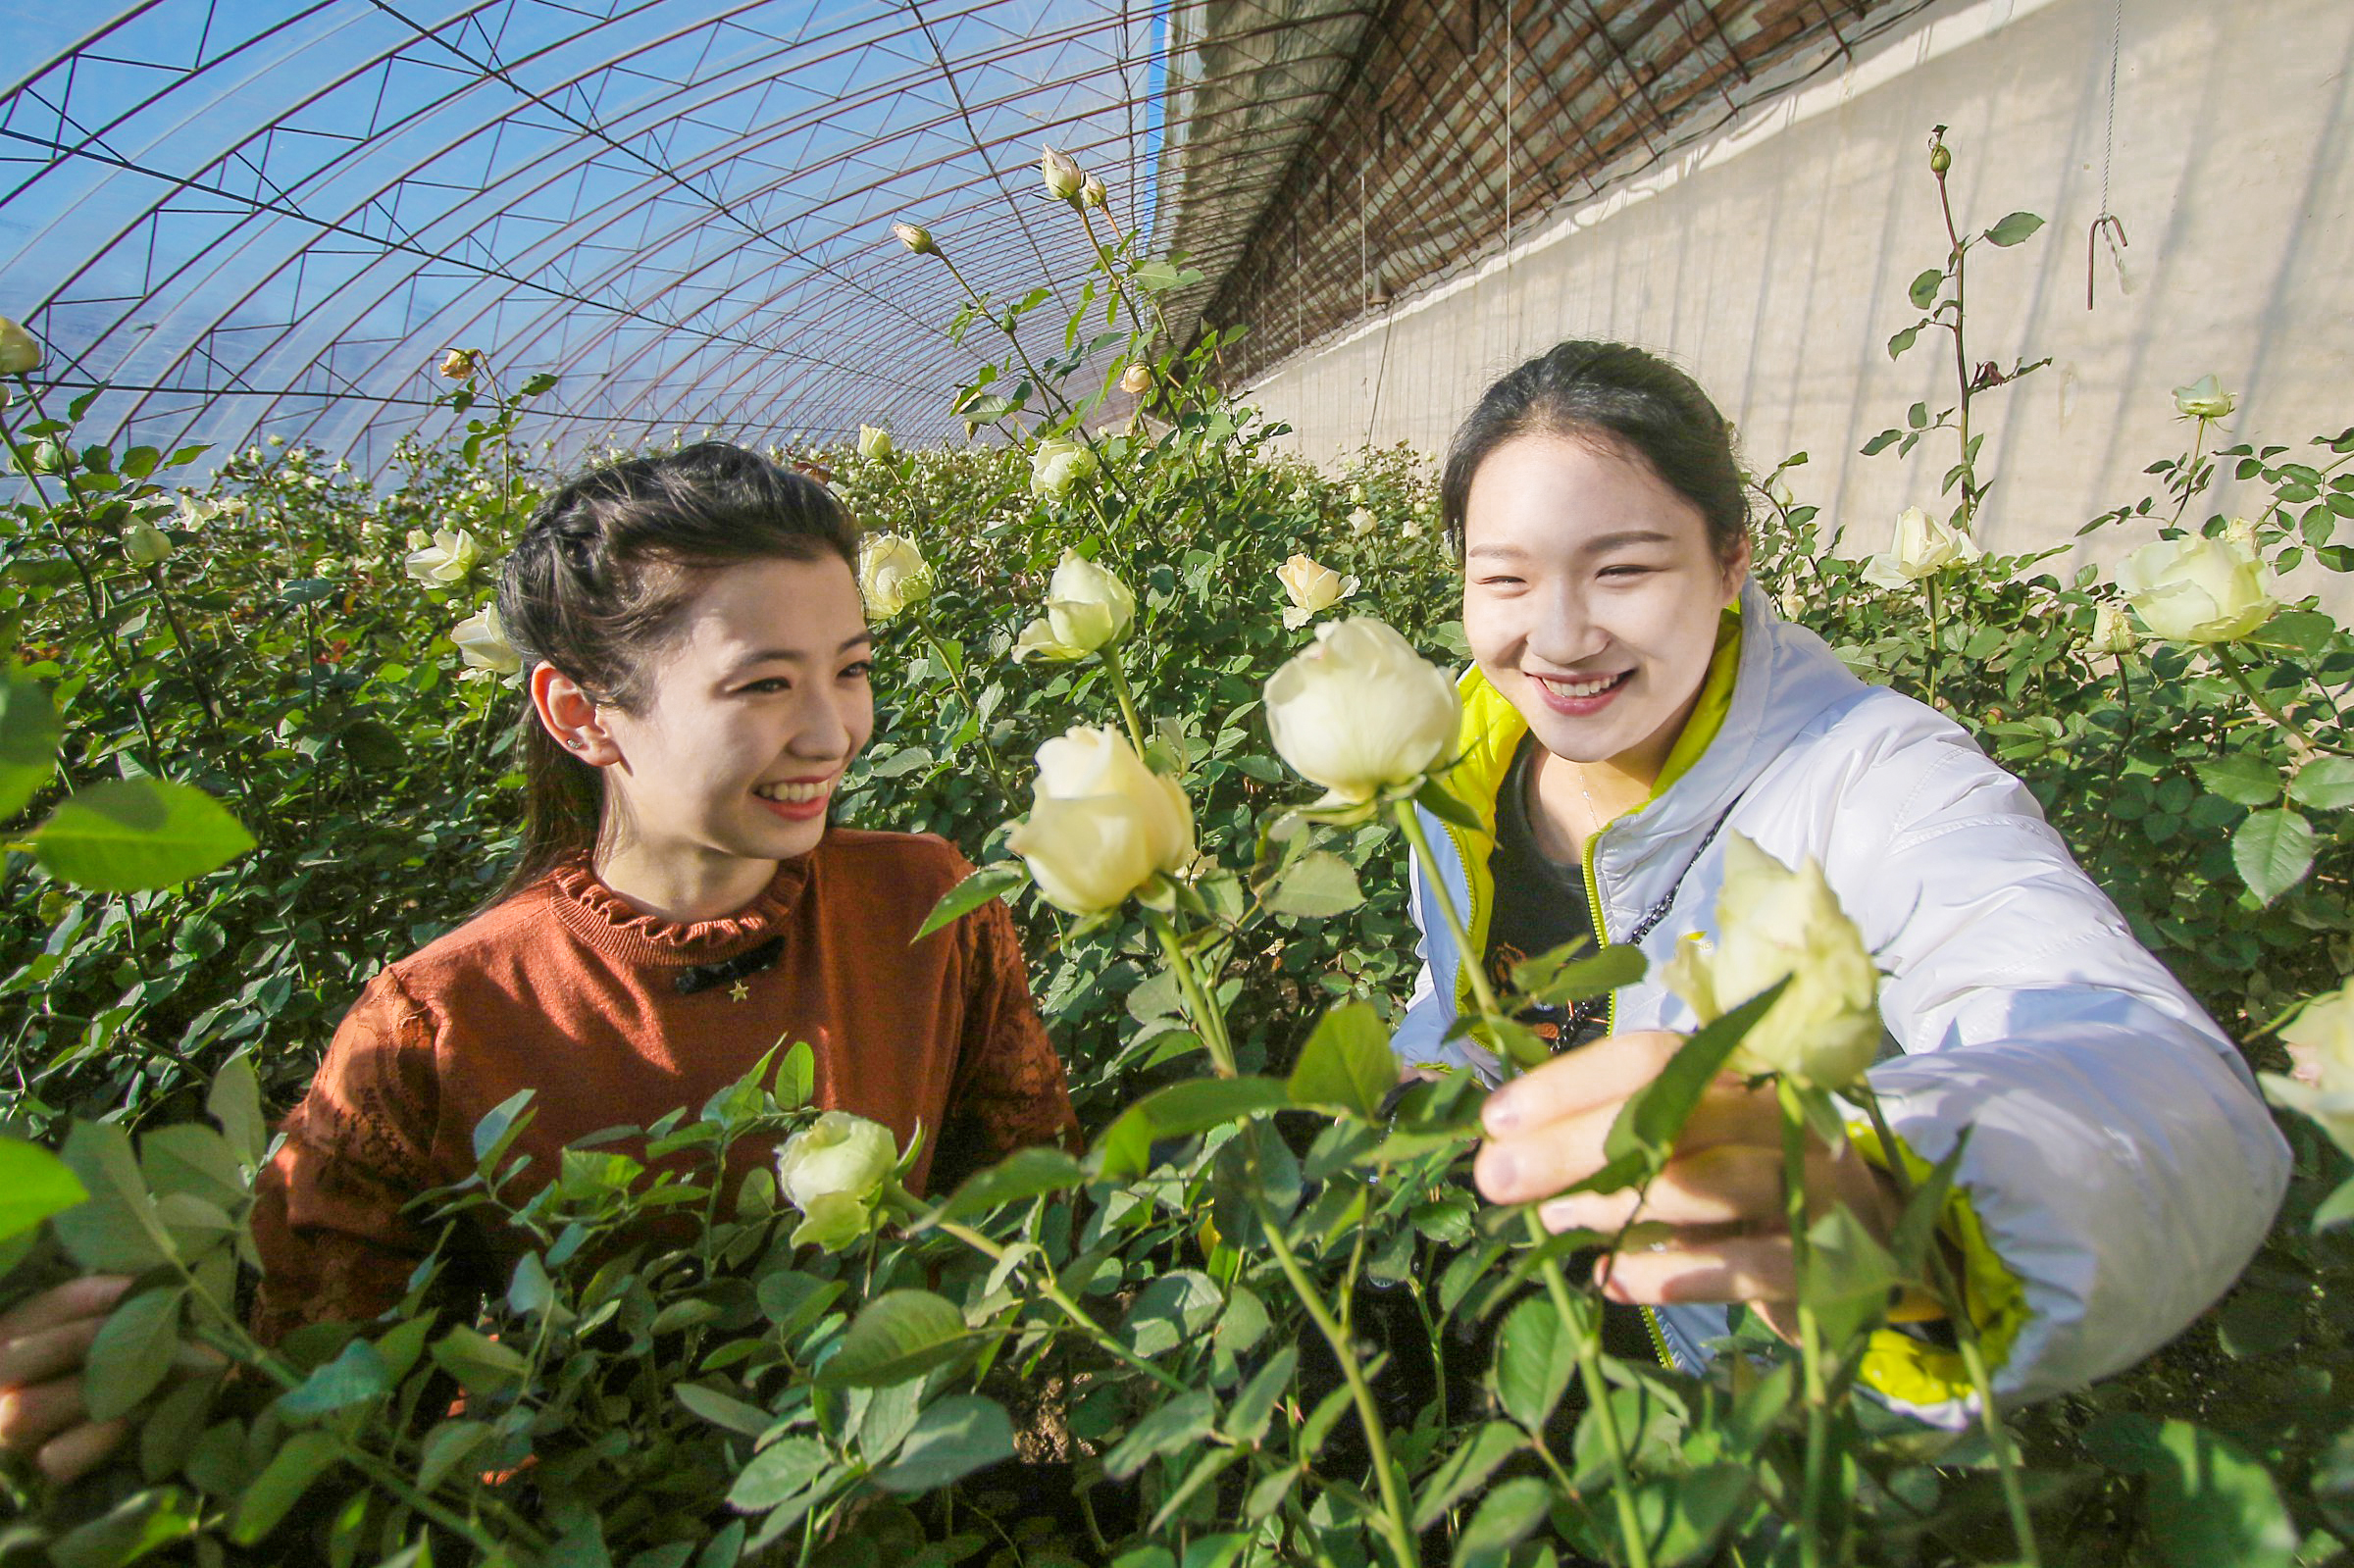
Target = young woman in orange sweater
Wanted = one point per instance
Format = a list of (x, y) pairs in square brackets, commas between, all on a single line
[(697, 675)]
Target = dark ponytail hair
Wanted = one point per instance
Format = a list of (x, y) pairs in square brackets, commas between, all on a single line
[(1623, 398), (596, 584)]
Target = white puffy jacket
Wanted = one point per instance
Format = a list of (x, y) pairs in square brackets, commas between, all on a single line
[(2122, 1170)]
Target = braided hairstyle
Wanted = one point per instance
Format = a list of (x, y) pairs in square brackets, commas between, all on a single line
[(1619, 397), (598, 581)]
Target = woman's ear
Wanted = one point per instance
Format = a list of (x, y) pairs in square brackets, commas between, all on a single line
[(1736, 569), (571, 716)]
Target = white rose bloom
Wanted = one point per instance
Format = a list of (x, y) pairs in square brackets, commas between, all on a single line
[(1360, 711), (1771, 922), (1360, 522), (2320, 1085), (1792, 604), (2204, 399), (483, 643), (1059, 464), (2240, 532), (1922, 546), (444, 556), (1102, 824), (874, 444), (838, 1156), (2196, 589), (892, 574), (1086, 608), (20, 350), (1312, 588)]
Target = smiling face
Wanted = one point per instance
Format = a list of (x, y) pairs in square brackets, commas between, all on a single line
[(758, 704), (1591, 596)]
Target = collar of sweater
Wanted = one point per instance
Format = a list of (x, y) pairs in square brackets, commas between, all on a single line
[(613, 926)]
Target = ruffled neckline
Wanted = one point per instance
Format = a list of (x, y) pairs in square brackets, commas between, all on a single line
[(610, 922)]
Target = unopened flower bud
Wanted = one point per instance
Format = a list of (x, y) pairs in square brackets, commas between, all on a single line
[(19, 351), (1093, 194), (1136, 380), (146, 543), (1061, 175), (916, 237), (1940, 159), (458, 365)]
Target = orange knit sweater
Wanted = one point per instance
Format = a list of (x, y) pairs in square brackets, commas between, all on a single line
[(566, 990)]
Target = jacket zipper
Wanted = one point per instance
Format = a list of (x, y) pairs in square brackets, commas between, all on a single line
[(1601, 938)]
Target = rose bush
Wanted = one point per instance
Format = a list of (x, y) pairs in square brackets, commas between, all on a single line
[(1260, 1318)]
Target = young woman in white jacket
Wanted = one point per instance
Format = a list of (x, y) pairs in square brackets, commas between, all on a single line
[(1633, 700)]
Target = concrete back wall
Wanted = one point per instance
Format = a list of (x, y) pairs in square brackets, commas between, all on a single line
[(1771, 261)]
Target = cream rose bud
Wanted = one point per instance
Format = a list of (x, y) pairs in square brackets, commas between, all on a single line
[(892, 574), (1360, 522), (1924, 545), (2320, 1085), (1136, 380), (2204, 399), (2196, 590), (838, 1156), (1102, 824), (1093, 194), (20, 350), (916, 237), (1792, 604), (458, 365), (2112, 631), (1360, 711), (1061, 173), (483, 643), (444, 556), (1086, 608), (146, 543), (1312, 588), (1772, 922), (874, 444), (1058, 465)]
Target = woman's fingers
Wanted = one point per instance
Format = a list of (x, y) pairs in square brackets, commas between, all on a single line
[(74, 1454), (91, 1296), (1592, 1076), (1731, 1183), (1740, 1268), (36, 1412), (1542, 1158), (56, 1352)]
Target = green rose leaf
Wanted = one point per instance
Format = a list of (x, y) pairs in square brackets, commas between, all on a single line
[(28, 735), (35, 1183), (1321, 883), (989, 881), (281, 1483), (1125, 1148), (2209, 1504), (1534, 1360), (1024, 1174), (2245, 780), (133, 1353), (955, 1437), (897, 1335), (1167, 1429), (2010, 230), (128, 834), (1924, 290), (1346, 1064), (2325, 784), (1465, 1470), (2273, 850), (1506, 1515)]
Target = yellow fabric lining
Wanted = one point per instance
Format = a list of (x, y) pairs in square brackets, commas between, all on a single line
[(1909, 1371)]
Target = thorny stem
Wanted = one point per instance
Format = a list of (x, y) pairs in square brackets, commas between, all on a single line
[(1810, 1336), (1966, 1336), (1394, 1515), (1109, 653), (1208, 1020), (2191, 471), (1961, 259), (1597, 1397), (1412, 825)]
